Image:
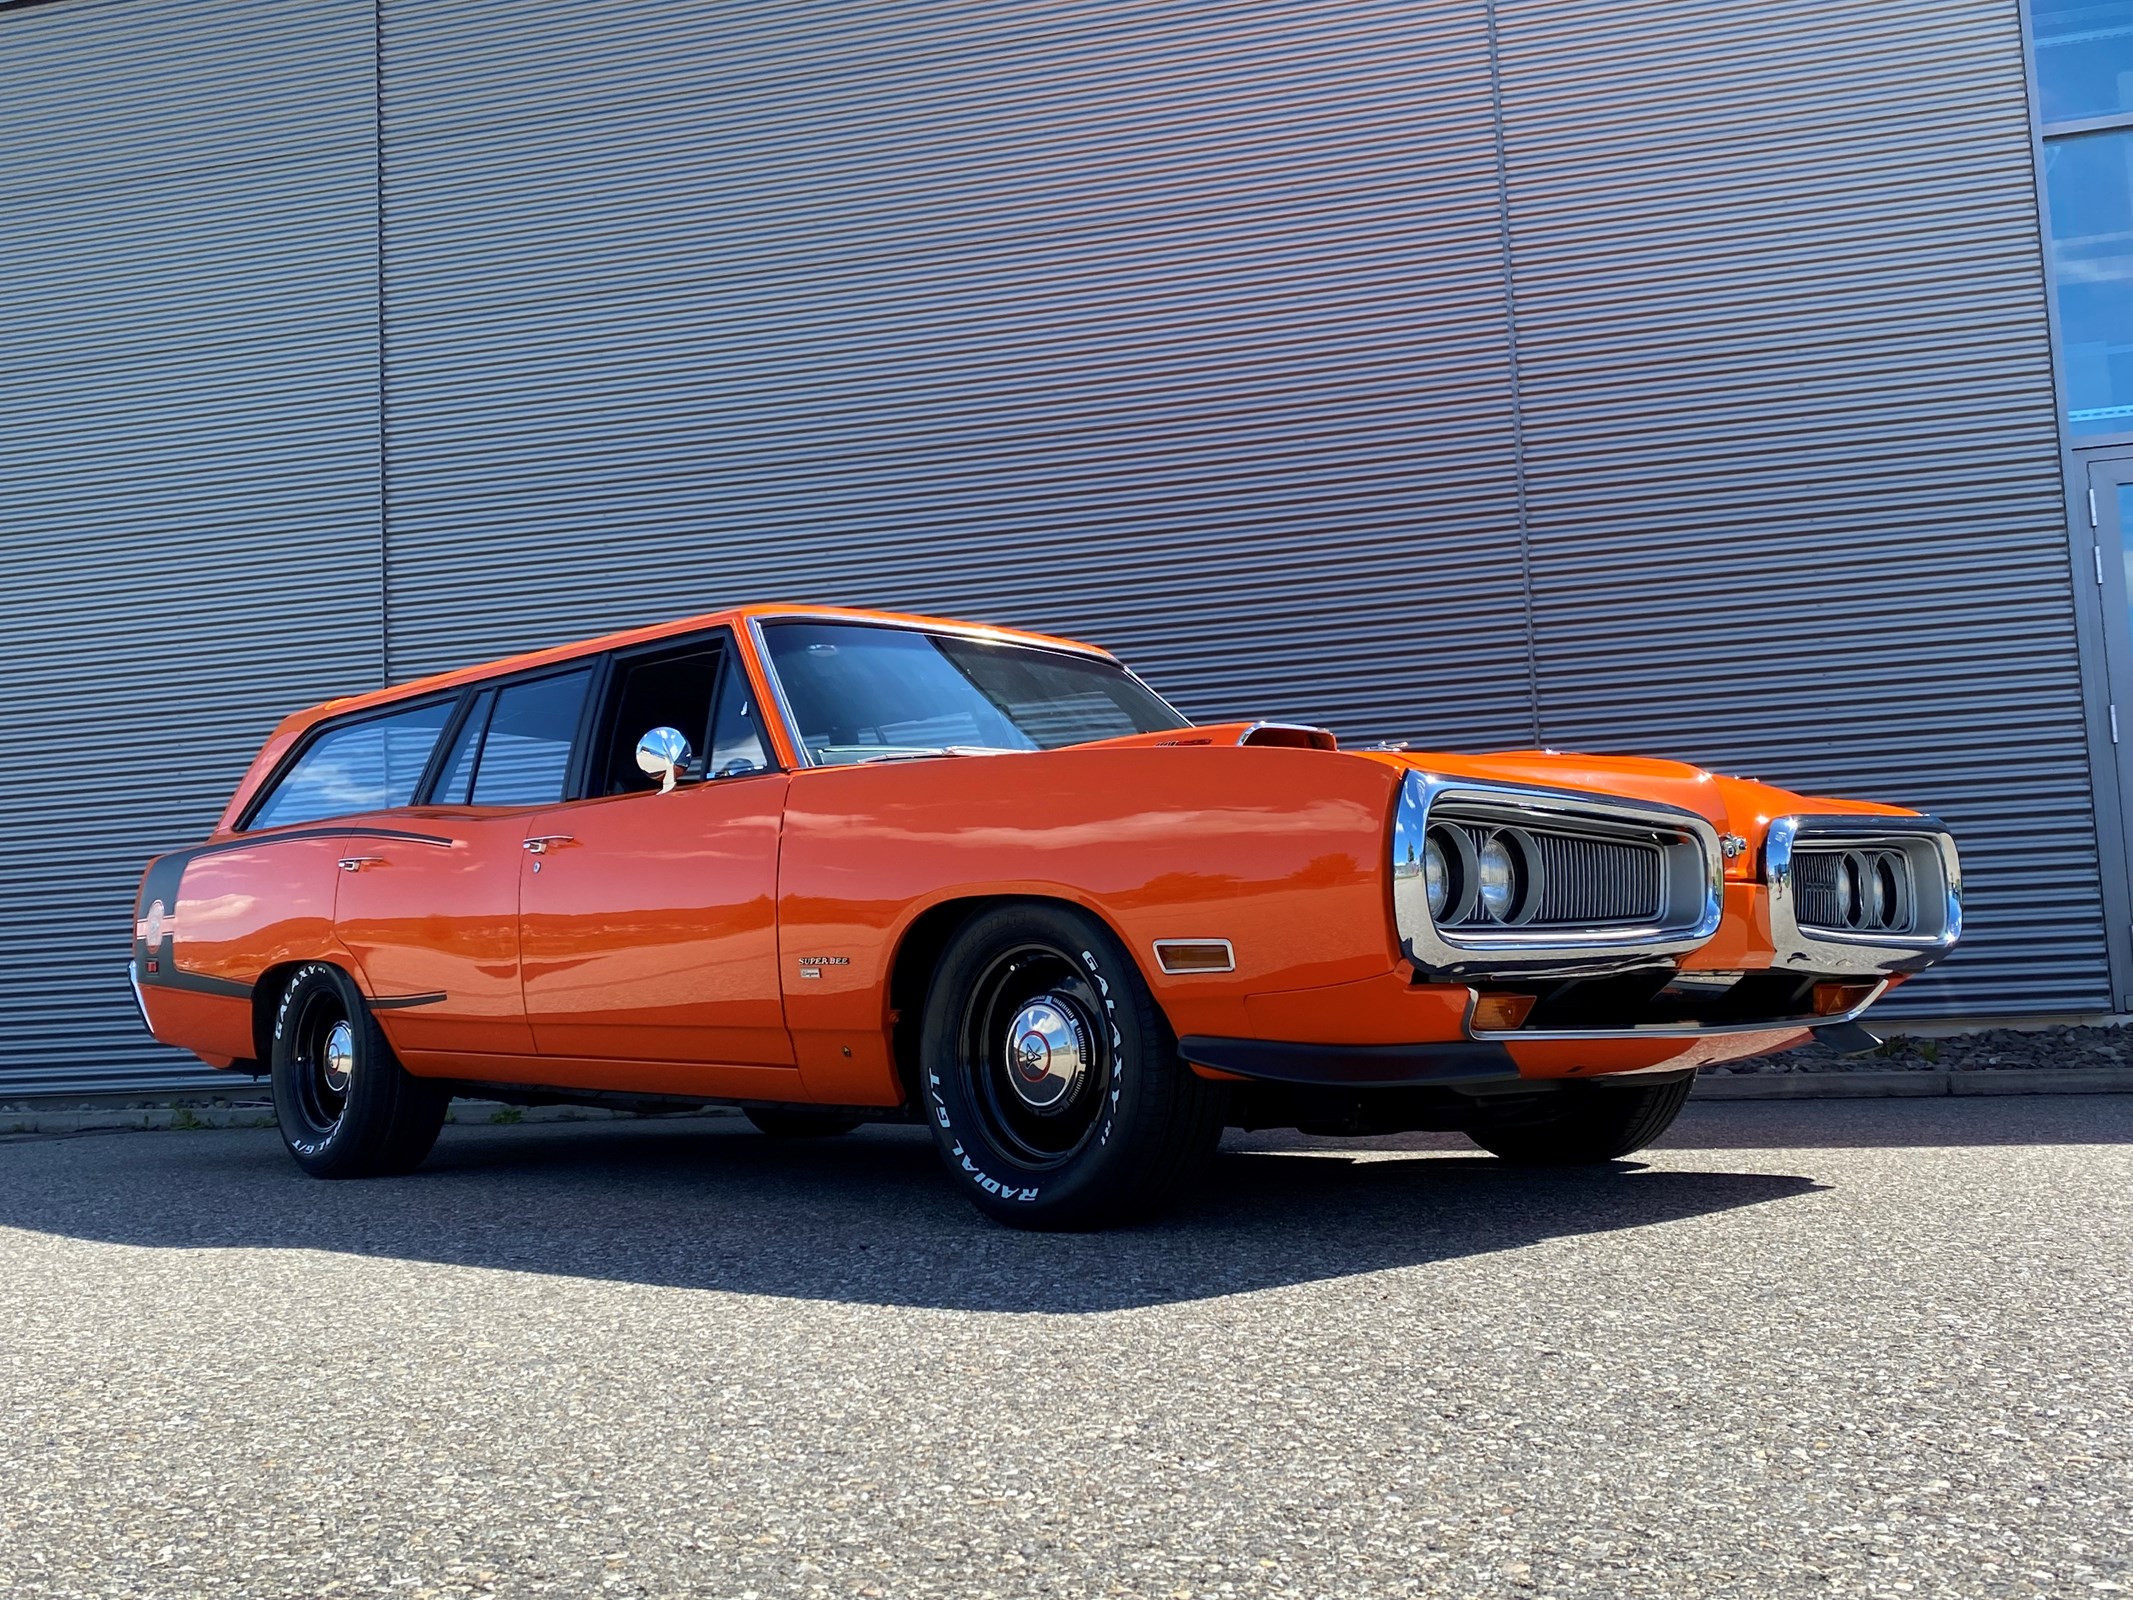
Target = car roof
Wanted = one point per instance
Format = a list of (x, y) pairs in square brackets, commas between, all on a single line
[(734, 616)]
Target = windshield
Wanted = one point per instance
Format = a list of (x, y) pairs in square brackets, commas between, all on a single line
[(860, 693)]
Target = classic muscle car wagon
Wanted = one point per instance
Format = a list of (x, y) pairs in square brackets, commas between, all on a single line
[(833, 866)]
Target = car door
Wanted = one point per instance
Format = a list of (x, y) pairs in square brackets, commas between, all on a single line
[(431, 916), (647, 917)]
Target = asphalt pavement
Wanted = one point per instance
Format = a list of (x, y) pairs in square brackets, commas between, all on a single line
[(1807, 1348)]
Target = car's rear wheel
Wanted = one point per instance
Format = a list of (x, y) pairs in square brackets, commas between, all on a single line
[(1589, 1123), (1052, 1083), (347, 1108), (780, 1123)]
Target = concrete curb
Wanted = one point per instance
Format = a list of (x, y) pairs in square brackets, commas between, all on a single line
[(1907, 1085), (260, 1114)]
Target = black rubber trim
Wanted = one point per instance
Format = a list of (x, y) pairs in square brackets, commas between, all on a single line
[(1356, 1066), (400, 1002), (194, 982)]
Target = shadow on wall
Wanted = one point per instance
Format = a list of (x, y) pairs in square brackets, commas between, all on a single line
[(867, 1219)]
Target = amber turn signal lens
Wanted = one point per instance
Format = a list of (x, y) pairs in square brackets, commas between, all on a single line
[(1195, 955), (1498, 1013), (1831, 998)]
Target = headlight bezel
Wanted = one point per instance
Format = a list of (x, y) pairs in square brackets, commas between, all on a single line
[(1932, 890), (1692, 863)]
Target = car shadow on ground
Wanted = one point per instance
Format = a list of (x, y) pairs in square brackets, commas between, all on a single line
[(1897, 1123), (869, 1218)]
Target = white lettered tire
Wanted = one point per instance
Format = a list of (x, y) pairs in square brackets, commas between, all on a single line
[(1050, 1079), (346, 1106)]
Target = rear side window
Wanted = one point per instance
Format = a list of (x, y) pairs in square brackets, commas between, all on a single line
[(525, 757), (364, 766)]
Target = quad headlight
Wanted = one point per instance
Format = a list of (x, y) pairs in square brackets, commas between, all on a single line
[(1496, 877), (1449, 874), (1480, 875)]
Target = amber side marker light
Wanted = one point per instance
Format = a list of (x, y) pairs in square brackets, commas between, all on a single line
[(1499, 1013), (1832, 998), (1195, 955)]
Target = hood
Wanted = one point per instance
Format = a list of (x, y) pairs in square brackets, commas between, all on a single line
[(1732, 805), (1739, 806)]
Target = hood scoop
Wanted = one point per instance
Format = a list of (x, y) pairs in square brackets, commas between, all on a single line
[(1293, 735)]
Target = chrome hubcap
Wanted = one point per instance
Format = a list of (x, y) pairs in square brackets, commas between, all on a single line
[(339, 1057), (1047, 1053)]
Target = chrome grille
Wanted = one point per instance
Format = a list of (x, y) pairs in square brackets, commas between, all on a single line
[(1863, 889), (1585, 882), (1502, 878), (1598, 880)]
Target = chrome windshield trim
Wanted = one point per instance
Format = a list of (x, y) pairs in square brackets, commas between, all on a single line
[(1926, 841), (1511, 950), (951, 630), (1679, 1030)]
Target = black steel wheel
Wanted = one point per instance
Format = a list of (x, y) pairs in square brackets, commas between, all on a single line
[(1588, 1123), (346, 1106), (1052, 1083)]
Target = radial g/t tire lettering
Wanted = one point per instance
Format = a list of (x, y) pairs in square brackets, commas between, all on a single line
[(1051, 1082), (346, 1106)]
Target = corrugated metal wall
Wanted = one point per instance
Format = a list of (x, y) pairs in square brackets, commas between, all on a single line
[(188, 461), (1272, 346), (1178, 327), (1792, 473)]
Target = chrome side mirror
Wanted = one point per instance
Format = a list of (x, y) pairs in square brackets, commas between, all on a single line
[(662, 754)]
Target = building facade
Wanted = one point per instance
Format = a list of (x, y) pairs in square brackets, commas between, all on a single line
[(1751, 383)]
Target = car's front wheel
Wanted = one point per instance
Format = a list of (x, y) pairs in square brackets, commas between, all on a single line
[(1053, 1085), (1588, 1123), (346, 1106)]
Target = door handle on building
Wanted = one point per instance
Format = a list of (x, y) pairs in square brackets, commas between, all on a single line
[(542, 844)]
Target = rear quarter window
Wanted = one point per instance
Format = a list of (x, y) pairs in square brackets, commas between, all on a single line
[(373, 765)]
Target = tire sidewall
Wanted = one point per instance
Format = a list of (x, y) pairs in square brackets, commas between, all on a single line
[(994, 1178), (353, 1144)]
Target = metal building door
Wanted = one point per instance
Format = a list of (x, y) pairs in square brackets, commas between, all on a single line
[(2109, 487)]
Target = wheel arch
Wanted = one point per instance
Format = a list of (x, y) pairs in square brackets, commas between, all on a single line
[(918, 950), (267, 993)]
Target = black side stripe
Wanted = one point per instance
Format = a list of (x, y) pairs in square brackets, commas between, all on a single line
[(253, 841), (229, 988), (166, 876)]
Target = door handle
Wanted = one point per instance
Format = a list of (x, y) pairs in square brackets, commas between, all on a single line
[(358, 863), (541, 845)]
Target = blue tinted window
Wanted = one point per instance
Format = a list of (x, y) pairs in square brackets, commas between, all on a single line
[(2084, 55), (2089, 181), (365, 766), (861, 693), (525, 760)]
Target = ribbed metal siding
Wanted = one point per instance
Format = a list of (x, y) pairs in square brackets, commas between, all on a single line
[(1792, 480), (1176, 328), (188, 466)]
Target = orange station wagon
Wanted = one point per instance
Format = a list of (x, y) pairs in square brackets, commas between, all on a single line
[(836, 866)]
